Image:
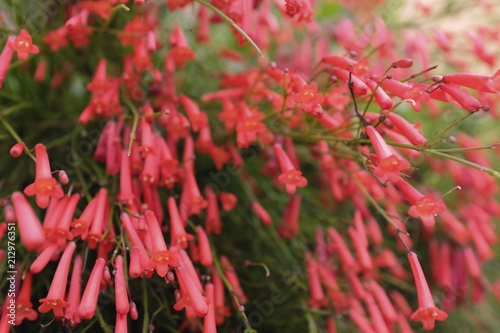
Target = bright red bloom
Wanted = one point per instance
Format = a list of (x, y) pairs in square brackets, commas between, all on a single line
[(55, 298), (45, 186), (423, 206), (262, 214), (88, 303), (178, 234), (213, 223), (56, 39), (192, 297), (427, 311), (306, 95), (290, 223), (75, 287), (23, 45), (389, 165), (24, 308), (5, 59), (204, 247), (290, 177), (121, 295), (180, 51), (162, 257), (30, 229)]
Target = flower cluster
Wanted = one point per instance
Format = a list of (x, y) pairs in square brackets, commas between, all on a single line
[(183, 153)]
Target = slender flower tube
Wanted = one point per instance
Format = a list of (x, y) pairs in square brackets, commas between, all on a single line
[(88, 303), (75, 287), (45, 186), (162, 257), (290, 177), (209, 325), (43, 258), (389, 165), (30, 229), (427, 311), (178, 235), (24, 308), (55, 297), (423, 206), (204, 247), (6, 58), (121, 295), (193, 297), (262, 214)]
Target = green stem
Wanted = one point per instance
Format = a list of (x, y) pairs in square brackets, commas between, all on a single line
[(218, 267), (14, 134), (145, 323), (489, 171), (232, 23), (432, 141)]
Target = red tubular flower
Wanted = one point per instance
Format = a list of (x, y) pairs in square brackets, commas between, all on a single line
[(389, 165), (192, 297), (178, 235), (121, 295), (23, 44), (24, 308), (231, 276), (375, 313), (290, 222), (209, 325), (6, 58), (462, 97), (290, 177), (340, 248), (61, 233), (99, 81), (125, 195), (306, 95), (136, 242), (88, 303), (425, 207), (427, 311), (384, 303), (162, 257), (81, 225), (30, 229), (359, 87), (43, 258), (55, 297), (407, 129), (213, 223), (361, 248), (180, 51), (95, 232), (381, 97), (221, 310), (262, 214), (317, 298), (228, 201), (204, 247), (75, 287), (45, 186), (17, 149), (360, 321)]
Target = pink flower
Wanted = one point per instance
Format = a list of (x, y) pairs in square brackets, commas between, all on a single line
[(30, 229), (389, 165), (290, 177), (45, 186), (88, 303), (427, 311), (55, 298), (23, 45)]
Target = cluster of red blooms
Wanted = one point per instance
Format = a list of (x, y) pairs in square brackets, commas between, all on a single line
[(149, 145)]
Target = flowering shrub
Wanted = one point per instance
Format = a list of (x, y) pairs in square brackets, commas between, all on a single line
[(247, 166)]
